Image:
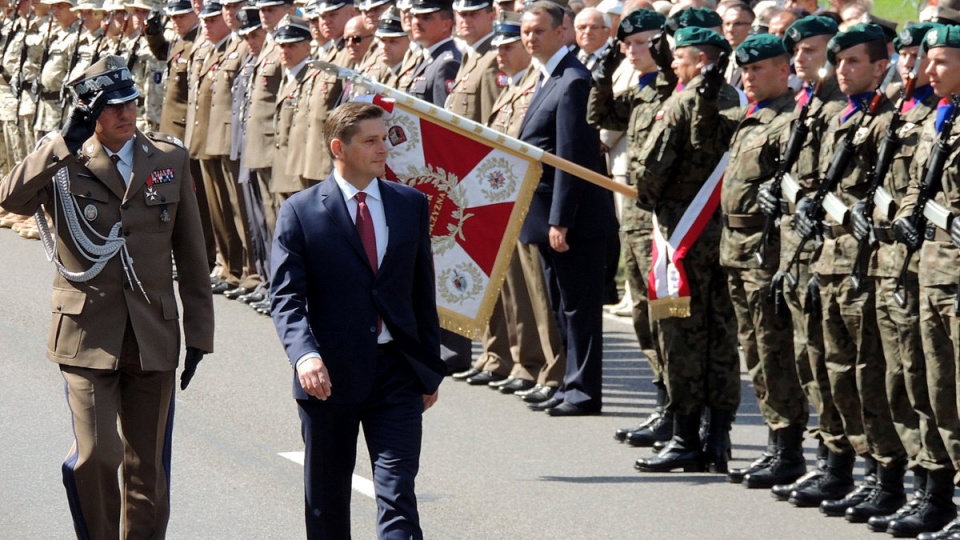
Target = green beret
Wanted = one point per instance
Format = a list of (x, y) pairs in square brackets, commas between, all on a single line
[(759, 47), (640, 20), (808, 27), (942, 36), (693, 36), (857, 34), (699, 17), (912, 35)]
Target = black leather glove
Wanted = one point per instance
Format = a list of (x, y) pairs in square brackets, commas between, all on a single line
[(607, 64), (768, 202), (811, 304), (712, 81), (154, 24), (17, 85), (955, 232), (862, 225), (36, 88), (805, 220), (905, 233), (661, 53), (83, 122), (190, 363)]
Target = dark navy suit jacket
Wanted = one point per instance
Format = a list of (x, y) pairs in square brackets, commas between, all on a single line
[(326, 297), (556, 121)]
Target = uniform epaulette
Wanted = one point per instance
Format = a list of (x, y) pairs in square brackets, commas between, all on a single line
[(163, 137), (447, 55)]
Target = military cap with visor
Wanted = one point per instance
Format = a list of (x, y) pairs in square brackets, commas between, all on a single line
[(857, 34), (367, 5), (249, 18), (327, 6), (944, 15), (912, 36), (759, 47), (110, 76), (801, 29), (693, 36), (292, 29), (177, 7), (390, 24), (211, 8), (697, 17), (640, 20), (470, 5), (506, 29), (422, 7), (270, 3)]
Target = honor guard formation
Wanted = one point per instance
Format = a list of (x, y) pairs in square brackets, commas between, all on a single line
[(797, 169)]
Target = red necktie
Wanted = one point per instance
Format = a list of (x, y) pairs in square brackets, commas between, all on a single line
[(908, 105), (368, 237), (751, 110)]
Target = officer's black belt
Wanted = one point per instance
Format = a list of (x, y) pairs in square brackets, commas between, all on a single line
[(835, 231), (936, 233), (743, 221), (49, 96), (787, 208)]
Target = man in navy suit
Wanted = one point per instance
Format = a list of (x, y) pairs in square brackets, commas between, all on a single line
[(353, 300), (569, 218)]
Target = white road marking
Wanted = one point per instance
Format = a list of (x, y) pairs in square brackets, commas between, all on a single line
[(360, 484)]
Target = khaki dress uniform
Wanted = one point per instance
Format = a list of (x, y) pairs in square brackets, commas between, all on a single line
[(260, 147), (291, 95), (323, 91), (475, 89)]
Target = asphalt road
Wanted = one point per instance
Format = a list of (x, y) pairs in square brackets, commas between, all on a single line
[(490, 468)]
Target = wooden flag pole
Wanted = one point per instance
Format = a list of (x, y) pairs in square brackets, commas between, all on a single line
[(475, 131)]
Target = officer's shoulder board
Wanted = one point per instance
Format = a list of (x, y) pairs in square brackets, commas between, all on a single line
[(163, 137), (446, 56)]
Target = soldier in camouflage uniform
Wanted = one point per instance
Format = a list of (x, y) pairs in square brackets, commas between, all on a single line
[(92, 37), (701, 365), (15, 51), (40, 29), (634, 112), (854, 360), (53, 73), (938, 275), (116, 27), (147, 70), (764, 333)]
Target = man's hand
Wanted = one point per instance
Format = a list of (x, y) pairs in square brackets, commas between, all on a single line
[(862, 226), (558, 239), (83, 122), (768, 202), (805, 220), (607, 64), (154, 24), (659, 47), (190, 363), (906, 233), (709, 88), (430, 399), (811, 304), (314, 378)]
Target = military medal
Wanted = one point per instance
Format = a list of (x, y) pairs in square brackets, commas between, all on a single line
[(90, 212), (151, 194), (164, 214)]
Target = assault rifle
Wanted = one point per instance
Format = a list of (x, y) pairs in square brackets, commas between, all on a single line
[(13, 33), (64, 95), (37, 87), (19, 76)]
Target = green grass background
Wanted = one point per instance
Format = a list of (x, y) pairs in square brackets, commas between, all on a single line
[(896, 10)]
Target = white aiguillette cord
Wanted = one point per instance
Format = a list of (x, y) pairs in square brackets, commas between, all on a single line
[(98, 254)]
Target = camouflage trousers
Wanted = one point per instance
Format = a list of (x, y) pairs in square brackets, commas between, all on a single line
[(701, 366), (857, 368), (940, 334), (768, 348), (808, 344), (637, 259), (907, 374)]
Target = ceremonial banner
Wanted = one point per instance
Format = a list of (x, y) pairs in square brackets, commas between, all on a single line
[(479, 195)]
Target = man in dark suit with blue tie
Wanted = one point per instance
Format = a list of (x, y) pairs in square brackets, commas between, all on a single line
[(569, 218), (353, 300)]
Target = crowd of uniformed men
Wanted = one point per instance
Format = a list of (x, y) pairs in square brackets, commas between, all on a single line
[(830, 260)]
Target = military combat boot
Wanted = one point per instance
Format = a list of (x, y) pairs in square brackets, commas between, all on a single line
[(837, 507), (880, 523), (781, 492), (682, 452), (787, 465), (763, 462), (950, 532), (835, 484), (935, 510), (623, 433), (886, 498), (716, 448)]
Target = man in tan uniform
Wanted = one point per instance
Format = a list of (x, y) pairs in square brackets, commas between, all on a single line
[(475, 88)]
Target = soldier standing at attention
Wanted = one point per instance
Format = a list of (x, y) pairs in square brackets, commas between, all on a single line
[(53, 73), (475, 88)]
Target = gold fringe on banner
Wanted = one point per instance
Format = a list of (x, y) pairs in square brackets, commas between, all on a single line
[(669, 308)]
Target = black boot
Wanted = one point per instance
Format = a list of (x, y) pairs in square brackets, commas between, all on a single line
[(950, 532), (682, 452), (787, 466), (887, 498), (660, 430), (935, 510), (622, 433), (716, 449), (781, 492), (835, 484), (880, 523), (837, 507), (762, 462)]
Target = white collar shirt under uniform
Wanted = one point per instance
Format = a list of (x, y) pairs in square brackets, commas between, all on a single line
[(125, 164)]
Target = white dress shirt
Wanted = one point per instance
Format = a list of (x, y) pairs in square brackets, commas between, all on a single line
[(125, 164)]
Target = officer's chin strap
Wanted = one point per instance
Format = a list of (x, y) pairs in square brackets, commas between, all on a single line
[(98, 254)]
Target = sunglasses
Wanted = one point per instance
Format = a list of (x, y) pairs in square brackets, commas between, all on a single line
[(355, 40)]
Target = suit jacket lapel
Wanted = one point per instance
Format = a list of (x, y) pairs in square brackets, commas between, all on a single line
[(142, 152), (332, 200), (538, 97), (102, 166), (391, 202)]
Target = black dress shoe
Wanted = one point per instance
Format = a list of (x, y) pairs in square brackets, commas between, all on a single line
[(484, 378), (233, 294), (464, 375), (545, 393), (497, 384), (516, 385), (569, 409), (262, 308), (532, 389), (222, 287), (253, 296), (661, 430), (622, 433), (545, 404)]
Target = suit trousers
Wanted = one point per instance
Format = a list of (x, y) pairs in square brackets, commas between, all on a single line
[(548, 332), (143, 403), (391, 417), (576, 281)]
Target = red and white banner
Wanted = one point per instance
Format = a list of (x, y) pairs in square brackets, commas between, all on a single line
[(479, 196)]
